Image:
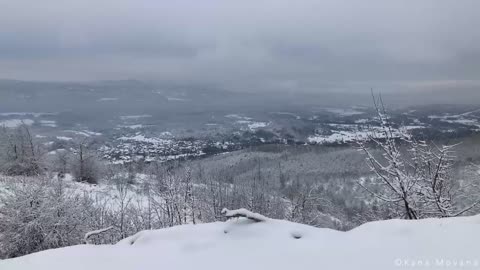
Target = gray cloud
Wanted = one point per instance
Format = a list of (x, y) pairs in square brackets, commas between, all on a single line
[(309, 45)]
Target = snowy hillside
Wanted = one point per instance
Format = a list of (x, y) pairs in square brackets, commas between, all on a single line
[(275, 244)]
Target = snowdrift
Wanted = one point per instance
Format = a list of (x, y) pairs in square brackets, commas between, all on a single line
[(243, 243)]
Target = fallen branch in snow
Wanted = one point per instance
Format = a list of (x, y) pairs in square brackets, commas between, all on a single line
[(243, 213), (93, 233)]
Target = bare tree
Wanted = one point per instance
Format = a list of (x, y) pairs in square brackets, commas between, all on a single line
[(189, 206), (304, 200), (84, 164), (124, 199), (60, 162)]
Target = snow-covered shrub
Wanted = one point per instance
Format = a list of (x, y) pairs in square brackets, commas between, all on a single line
[(38, 215), (19, 154)]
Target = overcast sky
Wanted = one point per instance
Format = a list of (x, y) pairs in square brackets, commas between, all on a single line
[(310, 45)]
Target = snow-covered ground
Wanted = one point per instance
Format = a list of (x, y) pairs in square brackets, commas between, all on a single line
[(107, 99), (142, 138), (64, 138), (86, 133), (177, 99), (346, 133), (134, 117), (137, 126), (298, 117), (34, 114), (13, 123), (252, 125), (48, 123), (466, 119), (238, 117), (344, 112), (275, 244), (256, 125), (247, 121)]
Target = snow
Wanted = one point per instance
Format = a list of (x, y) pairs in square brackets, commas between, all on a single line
[(26, 113), (362, 121), (461, 119), (92, 133), (107, 99), (48, 123), (63, 138), (13, 123), (237, 116), (344, 112), (176, 99), (132, 126), (242, 120), (142, 138), (346, 133), (412, 127), (240, 244), (243, 212), (338, 137), (54, 152), (417, 121), (85, 133), (166, 134), (96, 232), (256, 125), (288, 114), (470, 112), (78, 133), (134, 117)]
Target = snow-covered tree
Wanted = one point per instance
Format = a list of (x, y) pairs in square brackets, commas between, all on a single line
[(415, 176)]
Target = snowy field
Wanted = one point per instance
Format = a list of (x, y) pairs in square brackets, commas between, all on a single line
[(345, 133), (274, 244), (344, 112)]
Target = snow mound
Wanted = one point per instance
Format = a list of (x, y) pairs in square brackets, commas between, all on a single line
[(241, 243)]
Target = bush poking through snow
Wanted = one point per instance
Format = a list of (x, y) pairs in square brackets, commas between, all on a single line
[(95, 233), (243, 213)]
